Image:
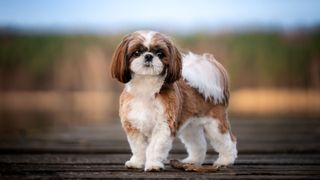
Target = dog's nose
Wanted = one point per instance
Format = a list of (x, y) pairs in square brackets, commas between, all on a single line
[(148, 58)]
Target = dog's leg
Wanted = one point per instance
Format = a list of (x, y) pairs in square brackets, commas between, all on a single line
[(221, 142), (159, 147), (194, 140), (138, 144)]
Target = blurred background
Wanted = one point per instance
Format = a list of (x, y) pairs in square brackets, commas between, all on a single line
[(55, 56)]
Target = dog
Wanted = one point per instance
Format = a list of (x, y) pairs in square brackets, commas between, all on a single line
[(168, 93)]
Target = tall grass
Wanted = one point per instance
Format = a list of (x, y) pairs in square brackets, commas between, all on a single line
[(253, 59)]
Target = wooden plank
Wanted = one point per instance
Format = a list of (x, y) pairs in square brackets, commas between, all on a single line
[(244, 147), (100, 152), (119, 159), (113, 131), (116, 172), (254, 136), (312, 169)]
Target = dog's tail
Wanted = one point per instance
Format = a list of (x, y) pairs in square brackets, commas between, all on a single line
[(207, 75)]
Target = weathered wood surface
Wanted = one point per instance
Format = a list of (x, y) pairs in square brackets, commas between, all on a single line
[(268, 149)]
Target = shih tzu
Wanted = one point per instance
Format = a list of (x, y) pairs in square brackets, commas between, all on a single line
[(170, 94)]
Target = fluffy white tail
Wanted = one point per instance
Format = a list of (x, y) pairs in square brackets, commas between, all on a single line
[(207, 75)]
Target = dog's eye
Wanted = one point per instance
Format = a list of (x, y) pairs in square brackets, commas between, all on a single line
[(160, 55), (136, 53)]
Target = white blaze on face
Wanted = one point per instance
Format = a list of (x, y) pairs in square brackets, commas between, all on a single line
[(148, 37), (139, 66)]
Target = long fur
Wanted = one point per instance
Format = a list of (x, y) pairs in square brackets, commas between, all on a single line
[(157, 104), (203, 73)]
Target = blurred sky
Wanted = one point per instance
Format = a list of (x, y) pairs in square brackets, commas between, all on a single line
[(166, 14)]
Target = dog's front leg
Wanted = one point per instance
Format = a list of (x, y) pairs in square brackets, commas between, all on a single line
[(159, 147), (138, 145)]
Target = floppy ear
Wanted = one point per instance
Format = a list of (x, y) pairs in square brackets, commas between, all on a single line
[(120, 62), (175, 64)]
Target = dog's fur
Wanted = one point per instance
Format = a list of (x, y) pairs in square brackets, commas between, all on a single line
[(170, 94)]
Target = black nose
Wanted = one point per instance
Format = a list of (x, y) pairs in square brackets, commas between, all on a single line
[(148, 58)]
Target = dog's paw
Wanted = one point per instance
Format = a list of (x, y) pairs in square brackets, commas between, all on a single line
[(154, 166), (224, 161), (133, 165), (189, 160)]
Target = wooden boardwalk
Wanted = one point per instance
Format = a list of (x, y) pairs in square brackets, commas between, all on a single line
[(268, 149)]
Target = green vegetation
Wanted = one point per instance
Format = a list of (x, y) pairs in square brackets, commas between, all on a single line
[(38, 53), (264, 59)]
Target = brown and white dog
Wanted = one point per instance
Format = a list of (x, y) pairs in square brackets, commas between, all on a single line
[(170, 94)]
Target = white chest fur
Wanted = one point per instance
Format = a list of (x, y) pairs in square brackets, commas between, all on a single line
[(145, 114), (146, 111)]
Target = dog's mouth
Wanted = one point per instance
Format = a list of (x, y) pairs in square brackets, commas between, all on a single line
[(147, 64)]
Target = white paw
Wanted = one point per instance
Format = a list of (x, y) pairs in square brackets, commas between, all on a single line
[(133, 164), (191, 160), (224, 161), (227, 158), (154, 166)]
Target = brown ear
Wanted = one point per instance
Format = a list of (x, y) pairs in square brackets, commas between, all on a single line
[(175, 64), (120, 62)]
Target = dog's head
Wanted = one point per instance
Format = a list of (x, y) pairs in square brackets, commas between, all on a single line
[(146, 53)]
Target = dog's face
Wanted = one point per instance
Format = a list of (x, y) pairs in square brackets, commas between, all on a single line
[(146, 53)]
